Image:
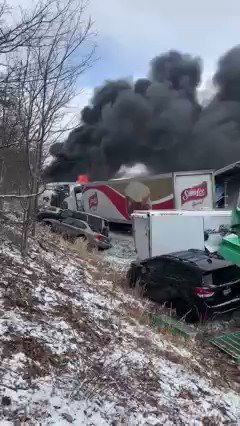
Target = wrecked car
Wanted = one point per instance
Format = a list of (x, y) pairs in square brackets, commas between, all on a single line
[(194, 283), (74, 225)]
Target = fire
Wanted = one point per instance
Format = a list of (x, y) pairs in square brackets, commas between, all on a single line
[(82, 179)]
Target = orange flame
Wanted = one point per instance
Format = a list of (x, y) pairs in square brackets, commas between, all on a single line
[(82, 179)]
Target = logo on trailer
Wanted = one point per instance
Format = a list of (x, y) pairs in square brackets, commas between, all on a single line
[(195, 193), (93, 201)]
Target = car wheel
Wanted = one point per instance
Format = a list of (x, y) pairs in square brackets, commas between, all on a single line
[(186, 311)]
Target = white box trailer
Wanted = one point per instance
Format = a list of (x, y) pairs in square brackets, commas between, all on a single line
[(164, 231)]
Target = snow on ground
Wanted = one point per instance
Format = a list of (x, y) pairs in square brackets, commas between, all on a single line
[(122, 252), (76, 348)]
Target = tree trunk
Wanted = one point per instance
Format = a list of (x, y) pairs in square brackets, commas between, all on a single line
[(1, 181), (26, 228), (36, 179)]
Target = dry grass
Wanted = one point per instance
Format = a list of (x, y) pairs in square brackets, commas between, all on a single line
[(138, 314), (80, 247), (49, 240)]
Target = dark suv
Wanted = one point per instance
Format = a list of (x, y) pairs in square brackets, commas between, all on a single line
[(194, 283)]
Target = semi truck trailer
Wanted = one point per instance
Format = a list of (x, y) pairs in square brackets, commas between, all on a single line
[(116, 199)]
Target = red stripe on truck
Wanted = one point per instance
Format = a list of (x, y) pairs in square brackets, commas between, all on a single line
[(116, 197), (119, 200), (164, 205)]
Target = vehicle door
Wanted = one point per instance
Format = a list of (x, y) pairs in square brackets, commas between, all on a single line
[(80, 227), (179, 278), (96, 223), (67, 226), (151, 277)]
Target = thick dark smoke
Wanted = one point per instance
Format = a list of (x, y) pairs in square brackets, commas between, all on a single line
[(157, 121), (216, 134)]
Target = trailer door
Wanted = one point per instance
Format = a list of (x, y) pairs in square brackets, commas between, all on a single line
[(141, 235), (194, 190)]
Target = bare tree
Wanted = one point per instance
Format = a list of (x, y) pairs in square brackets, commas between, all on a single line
[(21, 33), (43, 72), (45, 76), (24, 31)]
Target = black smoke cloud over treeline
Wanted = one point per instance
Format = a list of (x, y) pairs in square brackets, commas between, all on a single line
[(157, 121)]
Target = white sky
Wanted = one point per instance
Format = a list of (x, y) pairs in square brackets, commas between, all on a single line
[(132, 32), (144, 28)]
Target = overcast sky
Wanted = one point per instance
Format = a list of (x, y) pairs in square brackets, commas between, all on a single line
[(131, 32)]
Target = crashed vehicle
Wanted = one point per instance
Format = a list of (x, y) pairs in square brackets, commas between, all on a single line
[(196, 284), (182, 263), (49, 213), (74, 225)]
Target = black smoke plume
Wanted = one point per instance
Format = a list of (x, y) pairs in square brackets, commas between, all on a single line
[(156, 121)]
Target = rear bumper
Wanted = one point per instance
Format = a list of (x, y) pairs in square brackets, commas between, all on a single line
[(221, 302), (224, 307)]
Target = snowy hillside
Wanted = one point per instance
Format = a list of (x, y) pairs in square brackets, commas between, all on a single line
[(77, 348)]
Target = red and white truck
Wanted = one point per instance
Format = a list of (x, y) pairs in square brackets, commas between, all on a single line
[(116, 199)]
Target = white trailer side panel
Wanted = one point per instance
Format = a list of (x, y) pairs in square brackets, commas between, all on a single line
[(212, 218), (141, 236), (171, 233), (215, 220), (176, 230)]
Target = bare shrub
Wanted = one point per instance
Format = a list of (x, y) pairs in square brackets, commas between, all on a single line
[(47, 239), (138, 314), (81, 248)]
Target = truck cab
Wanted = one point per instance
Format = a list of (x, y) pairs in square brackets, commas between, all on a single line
[(64, 195)]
